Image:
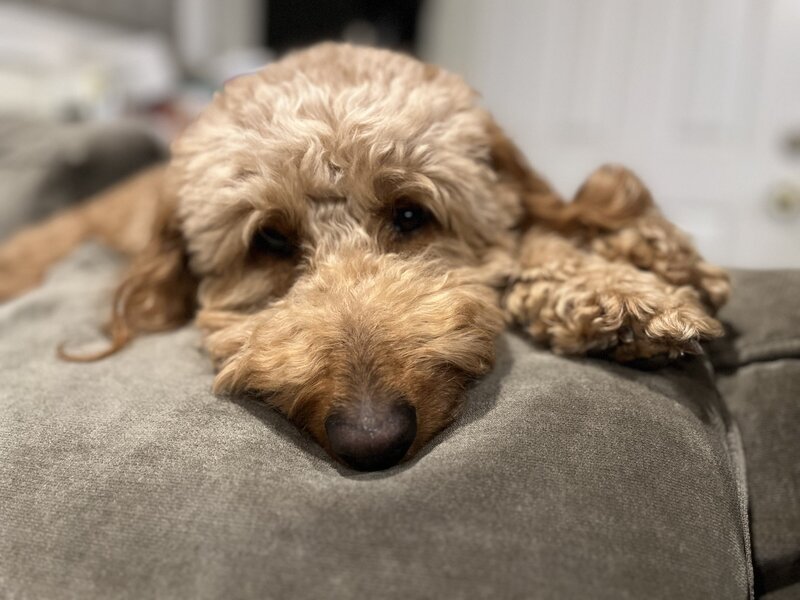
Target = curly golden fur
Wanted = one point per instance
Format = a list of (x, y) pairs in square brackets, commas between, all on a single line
[(320, 149)]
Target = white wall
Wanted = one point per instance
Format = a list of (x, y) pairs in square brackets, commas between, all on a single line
[(699, 96)]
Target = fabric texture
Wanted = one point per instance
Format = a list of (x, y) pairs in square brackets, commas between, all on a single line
[(762, 319), (564, 478), (759, 377)]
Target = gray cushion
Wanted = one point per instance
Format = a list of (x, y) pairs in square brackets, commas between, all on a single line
[(127, 478), (762, 319), (791, 592), (759, 377)]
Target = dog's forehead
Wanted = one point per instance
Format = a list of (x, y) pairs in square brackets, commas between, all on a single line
[(336, 125), (336, 110), (331, 136)]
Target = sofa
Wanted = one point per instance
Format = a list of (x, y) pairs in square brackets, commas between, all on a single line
[(563, 478)]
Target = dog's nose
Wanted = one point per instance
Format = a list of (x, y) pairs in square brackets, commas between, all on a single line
[(371, 437)]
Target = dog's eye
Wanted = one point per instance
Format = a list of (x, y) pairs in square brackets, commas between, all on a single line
[(409, 216), (272, 242)]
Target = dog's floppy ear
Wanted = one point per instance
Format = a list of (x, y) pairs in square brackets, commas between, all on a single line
[(612, 197), (609, 198), (158, 291), (540, 202)]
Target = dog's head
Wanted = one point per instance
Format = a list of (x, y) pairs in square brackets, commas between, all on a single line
[(344, 222)]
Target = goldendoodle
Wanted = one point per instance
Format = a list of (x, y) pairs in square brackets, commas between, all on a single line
[(351, 231)]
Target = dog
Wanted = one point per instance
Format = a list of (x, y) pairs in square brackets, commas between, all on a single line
[(351, 231)]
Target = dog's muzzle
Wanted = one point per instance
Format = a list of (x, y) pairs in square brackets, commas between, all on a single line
[(372, 436)]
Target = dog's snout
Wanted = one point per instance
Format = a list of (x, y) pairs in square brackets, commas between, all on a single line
[(372, 436)]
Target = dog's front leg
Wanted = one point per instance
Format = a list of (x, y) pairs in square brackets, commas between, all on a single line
[(581, 303)]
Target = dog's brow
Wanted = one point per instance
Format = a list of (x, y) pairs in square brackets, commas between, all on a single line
[(327, 199)]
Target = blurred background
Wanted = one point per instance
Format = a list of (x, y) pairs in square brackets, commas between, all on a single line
[(701, 97)]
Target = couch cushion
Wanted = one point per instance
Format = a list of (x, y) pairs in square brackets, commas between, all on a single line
[(759, 377), (765, 397), (791, 592), (127, 478), (762, 319)]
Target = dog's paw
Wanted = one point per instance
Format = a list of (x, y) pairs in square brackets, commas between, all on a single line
[(654, 244), (663, 331), (615, 311)]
